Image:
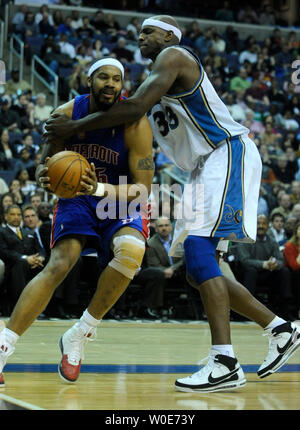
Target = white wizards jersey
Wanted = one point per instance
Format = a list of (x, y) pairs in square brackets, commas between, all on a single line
[(191, 125)]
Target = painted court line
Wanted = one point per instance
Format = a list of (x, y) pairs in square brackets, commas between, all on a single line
[(131, 368), (22, 405)]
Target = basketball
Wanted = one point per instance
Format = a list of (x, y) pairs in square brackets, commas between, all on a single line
[(65, 170)]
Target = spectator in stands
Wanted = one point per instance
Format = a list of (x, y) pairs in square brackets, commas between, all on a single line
[(292, 258), (160, 269), (204, 42), (20, 251), (289, 226), (248, 16), (7, 199), (45, 28), (31, 170), (28, 27), (27, 142), (78, 79), (267, 16), (295, 192), (99, 22), (123, 54), (263, 208), (219, 44), (256, 94), (3, 186), (19, 17), (45, 212), (15, 190), (41, 111), (25, 110), (269, 136), (66, 47), (85, 30), (289, 123), (236, 111), (284, 207), (276, 230), (7, 150), (27, 186), (39, 16), (112, 27), (55, 58), (32, 221), (77, 21), (24, 161), (285, 170), (58, 19), (82, 56), (133, 29), (296, 211), (98, 50), (240, 82), (35, 200), (262, 264), (193, 31), (66, 28), (275, 93), (225, 13), (15, 85), (9, 118), (250, 54)]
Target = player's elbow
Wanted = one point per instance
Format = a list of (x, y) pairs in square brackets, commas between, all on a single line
[(136, 109)]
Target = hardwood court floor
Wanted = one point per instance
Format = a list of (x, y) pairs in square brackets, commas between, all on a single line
[(133, 366)]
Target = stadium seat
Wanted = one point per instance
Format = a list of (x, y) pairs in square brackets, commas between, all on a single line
[(35, 43)]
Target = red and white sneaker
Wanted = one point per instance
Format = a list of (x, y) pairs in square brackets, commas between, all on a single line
[(72, 345), (5, 351)]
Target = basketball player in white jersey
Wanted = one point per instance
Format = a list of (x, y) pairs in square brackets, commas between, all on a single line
[(196, 131)]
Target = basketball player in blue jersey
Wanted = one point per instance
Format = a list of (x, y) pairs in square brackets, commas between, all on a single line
[(196, 131), (124, 151)]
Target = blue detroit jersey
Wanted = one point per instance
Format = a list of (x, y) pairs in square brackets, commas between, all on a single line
[(104, 147)]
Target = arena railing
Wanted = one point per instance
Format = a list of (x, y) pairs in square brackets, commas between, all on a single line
[(16, 49), (34, 73), (73, 93), (2, 33)]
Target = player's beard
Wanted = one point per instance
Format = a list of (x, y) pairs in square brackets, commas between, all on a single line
[(102, 106)]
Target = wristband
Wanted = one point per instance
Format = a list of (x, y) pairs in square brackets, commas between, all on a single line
[(100, 190)]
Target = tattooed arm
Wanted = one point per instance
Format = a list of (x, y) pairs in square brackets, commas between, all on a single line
[(139, 139)]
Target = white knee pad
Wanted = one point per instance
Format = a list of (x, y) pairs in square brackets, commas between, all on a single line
[(128, 255)]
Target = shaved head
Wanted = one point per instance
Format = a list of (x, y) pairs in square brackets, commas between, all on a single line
[(166, 18)]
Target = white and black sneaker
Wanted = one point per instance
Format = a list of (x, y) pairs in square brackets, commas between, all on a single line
[(283, 342), (221, 373)]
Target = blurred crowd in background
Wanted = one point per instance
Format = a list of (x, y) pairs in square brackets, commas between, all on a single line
[(253, 77)]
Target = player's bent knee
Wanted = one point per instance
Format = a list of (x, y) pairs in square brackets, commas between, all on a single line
[(58, 268), (128, 255), (200, 257)]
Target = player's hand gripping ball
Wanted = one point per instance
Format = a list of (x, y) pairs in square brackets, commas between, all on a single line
[(65, 171)]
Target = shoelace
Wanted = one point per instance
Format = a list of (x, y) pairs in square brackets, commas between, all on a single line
[(208, 366), (273, 340), (78, 343)]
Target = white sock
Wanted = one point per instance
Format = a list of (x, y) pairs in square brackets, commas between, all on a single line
[(10, 336), (87, 322), (274, 323), (224, 350)]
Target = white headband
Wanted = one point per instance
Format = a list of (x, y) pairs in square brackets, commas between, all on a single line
[(106, 62), (163, 25)]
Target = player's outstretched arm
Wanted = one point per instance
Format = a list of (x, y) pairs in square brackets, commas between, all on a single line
[(167, 67)]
